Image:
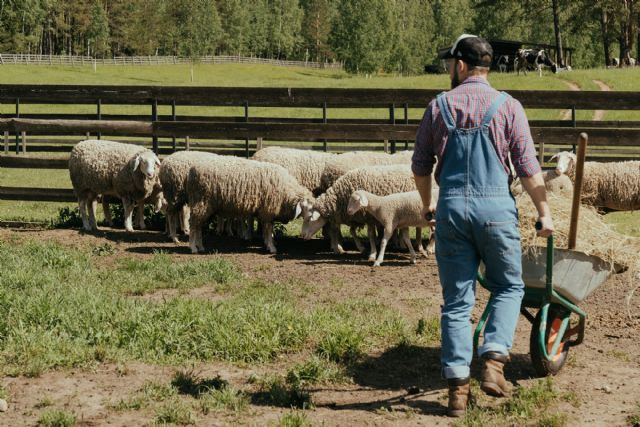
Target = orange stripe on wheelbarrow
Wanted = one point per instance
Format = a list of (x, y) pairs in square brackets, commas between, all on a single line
[(553, 335)]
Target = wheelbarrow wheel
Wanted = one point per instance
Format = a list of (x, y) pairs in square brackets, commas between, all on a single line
[(542, 366)]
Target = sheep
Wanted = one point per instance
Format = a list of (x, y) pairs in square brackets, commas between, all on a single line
[(614, 186), (304, 165), (156, 198), (345, 162), (554, 183), (242, 188), (395, 211), (331, 207), (99, 167), (173, 177)]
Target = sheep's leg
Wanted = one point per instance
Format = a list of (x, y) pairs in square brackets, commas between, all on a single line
[(371, 231), (326, 232), (228, 227), (128, 206), (185, 213), (407, 241), (193, 238), (140, 215), (431, 245), (219, 225), (335, 240), (354, 235), (92, 214), (419, 244), (267, 235), (107, 212), (172, 223), (388, 233), (82, 207)]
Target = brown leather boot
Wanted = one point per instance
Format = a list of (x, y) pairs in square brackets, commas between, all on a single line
[(459, 396), (493, 382)]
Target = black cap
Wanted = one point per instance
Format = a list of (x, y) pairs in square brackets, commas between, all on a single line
[(471, 49)]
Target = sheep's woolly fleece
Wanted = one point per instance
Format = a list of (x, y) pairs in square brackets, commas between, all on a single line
[(244, 187), (614, 185), (174, 172), (345, 162), (304, 165)]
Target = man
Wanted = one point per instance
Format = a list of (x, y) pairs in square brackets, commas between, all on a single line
[(472, 131)]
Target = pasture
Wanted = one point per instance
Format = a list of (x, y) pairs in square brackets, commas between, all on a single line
[(129, 329)]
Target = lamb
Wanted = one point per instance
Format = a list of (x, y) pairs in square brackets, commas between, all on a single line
[(554, 183), (304, 165), (156, 199), (614, 186), (331, 207), (345, 162), (395, 211), (107, 168), (173, 177), (242, 187)]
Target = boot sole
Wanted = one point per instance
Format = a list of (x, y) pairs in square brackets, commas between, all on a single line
[(493, 389)]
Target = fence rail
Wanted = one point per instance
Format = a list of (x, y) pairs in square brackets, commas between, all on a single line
[(242, 135), (73, 60)]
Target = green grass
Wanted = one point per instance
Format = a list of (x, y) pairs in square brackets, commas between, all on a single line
[(293, 419), (174, 411), (634, 419), (57, 418), (527, 406), (225, 399), (625, 222), (61, 307)]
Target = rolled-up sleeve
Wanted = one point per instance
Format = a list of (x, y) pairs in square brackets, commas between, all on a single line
[(521, 146), (424, 156)]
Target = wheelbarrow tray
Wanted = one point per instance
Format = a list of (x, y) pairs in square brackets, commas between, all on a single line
[(575, 274)]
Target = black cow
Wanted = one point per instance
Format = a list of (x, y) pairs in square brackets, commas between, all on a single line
[(533, 59)]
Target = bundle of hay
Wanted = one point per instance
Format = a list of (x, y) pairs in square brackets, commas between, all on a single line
[(595, 237)]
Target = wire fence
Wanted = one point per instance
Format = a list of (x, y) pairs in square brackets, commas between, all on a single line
[(73, 60)]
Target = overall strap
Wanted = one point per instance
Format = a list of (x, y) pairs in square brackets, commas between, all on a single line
[(494, 107), (445, 112)]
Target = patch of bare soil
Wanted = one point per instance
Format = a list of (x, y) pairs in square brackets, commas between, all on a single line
[(603, 372), (566, 114), (599, 114)]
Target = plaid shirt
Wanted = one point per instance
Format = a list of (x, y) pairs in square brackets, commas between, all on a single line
[(509, 130)]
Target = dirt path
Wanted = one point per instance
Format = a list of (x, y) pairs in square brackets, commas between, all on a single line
[(603, 374), (599, 114), (566, 114)]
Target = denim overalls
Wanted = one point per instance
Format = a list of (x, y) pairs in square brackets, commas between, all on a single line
[(476, 220)]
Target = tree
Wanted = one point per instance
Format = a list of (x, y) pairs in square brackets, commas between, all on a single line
[(235, 26), (316, 27), (413, 38), (285, 28), (360, 36), (98, 30)]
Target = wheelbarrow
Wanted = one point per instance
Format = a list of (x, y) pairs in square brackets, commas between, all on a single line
[(554, 287)]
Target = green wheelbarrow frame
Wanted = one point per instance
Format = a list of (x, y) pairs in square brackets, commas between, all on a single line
[(543, 299)]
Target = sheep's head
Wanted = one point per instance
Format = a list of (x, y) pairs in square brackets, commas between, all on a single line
[(357, 201), (312, 222), (565, 162), (146, 162)]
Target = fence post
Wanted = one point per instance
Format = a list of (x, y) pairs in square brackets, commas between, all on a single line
[(541, 153), (386, 145), (573, 121), (406, 122), (259, 144), (187, 143), (23, 137), (392, 119), (6, 142), (173, 116), (246, 119), (17, 117), (99, 114), (324, 121), (154, 118)]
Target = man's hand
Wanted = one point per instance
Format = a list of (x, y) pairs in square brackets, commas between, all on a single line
[(429, 213), (546, 226)]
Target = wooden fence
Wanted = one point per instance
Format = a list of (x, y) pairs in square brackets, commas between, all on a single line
[(73, 60), (241, 135)]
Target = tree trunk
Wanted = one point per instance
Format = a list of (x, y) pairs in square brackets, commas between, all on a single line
[(556, 29), (626, 32), (606, 42)]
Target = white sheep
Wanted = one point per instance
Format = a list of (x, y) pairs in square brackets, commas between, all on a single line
[(173, 177), (614, 185), (242, 188), (304, 165), (107, 168), (395, 211), (554, 183), (331, 206), (345, 162), (156, 198)]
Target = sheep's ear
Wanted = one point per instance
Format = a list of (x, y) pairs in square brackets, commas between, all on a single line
[(555, 156), (315, 216), (298, 210), (363, 200), (136, 163), (157, 160)]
